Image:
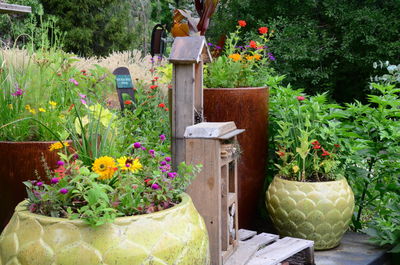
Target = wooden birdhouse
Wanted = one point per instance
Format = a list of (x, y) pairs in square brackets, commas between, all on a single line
[(214, 190), (187, 56)]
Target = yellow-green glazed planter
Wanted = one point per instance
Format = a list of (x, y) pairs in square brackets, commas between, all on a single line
[(174, 236), (318, 211)]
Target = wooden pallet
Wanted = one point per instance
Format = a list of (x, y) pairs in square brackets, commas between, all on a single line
[(268, 249)]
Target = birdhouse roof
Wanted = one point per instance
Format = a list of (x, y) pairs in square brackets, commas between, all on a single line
[(190, 50)]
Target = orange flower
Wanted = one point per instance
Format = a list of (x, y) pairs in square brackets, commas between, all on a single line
[(257, 57), (235, 57), (253, 44), (128, 102), (242, 23), (263, 30)]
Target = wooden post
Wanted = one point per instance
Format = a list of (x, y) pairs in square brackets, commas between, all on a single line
[(214, 190), (187, 56)]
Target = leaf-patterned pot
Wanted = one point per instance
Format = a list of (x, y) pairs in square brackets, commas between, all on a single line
[(318, 211), (173, 236)]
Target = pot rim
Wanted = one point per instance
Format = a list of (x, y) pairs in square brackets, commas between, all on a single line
[(311, 183), (237, 88), (22, 210), (32, 142)]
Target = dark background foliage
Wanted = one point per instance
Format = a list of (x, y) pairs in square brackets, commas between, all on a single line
[(324, 45)]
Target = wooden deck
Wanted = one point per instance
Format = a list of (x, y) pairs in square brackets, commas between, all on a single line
[(268, 249)]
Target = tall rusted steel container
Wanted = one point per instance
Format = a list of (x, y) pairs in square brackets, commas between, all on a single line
[(18, 163), (248, 108)]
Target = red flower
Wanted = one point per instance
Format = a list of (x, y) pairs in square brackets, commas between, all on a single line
[(300, 98), (156, 78), (316, 145), (263, 30), (281, 153), (153, 87), (242, 23), (253, 44), (336, 145), (166, 109), (161, 105), (169, 86), (128, 102), (325, 153)]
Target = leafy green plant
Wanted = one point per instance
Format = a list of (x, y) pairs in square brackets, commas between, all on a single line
[(306, 136), (243, 63)]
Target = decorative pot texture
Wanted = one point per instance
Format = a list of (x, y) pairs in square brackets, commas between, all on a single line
[(318, 211), (18, 162), (174, 236), (248, 108)]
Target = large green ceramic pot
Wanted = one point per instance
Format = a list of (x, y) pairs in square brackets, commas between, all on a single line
[(174, 236), (318, 211)]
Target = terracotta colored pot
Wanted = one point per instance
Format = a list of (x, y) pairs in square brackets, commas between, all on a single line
[(318, 211), (248, 108), (18, 162), (173, 236)]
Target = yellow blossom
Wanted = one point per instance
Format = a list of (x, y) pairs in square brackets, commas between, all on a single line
[(104, 166), (42, 110), (33, 111), (128, 163), (53, 104), (10, 106), (295, 169), (235, 57), (58, 145), (27, 107)]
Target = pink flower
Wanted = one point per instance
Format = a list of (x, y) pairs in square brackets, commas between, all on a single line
[(162, 137), (73, 81), (136, 145), (300, 98), (155, 186), (83, 101), (63, 191), (55, 180)]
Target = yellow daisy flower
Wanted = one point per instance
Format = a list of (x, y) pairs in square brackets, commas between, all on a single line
[(295, 169), (53, 103), (104, 166), (42, 110), (27, 107), (33, 111), (58, 145), (235, 57), (10, 106), (128, 163)]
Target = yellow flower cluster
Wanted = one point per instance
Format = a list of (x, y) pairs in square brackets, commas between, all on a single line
[(31, 110), (53, 105), (58, 145)]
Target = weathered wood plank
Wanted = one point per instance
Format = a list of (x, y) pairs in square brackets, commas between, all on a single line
[(209, 129), (279, 251), (245, 234), (14, 9), (248, 248)]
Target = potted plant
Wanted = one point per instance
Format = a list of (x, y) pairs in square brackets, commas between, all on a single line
[(309, 197), (128, 210), (237, 91), (36, 103)]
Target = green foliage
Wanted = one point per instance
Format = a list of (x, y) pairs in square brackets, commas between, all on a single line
[(304, 135), (323, 46), (92, 27)]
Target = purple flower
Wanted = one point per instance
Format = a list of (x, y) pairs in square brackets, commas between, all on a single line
[(163, 163), (33, 207), (155, 186), (137, 145), (63, 191), (171, 175), (54, 180), (163, 170), (218, 47), (168, 159), (209, 44), (75, 156), (60, 163), (143, 148), (73, 81), (18, 92), (271, 56), (162, 137), (39, 184), (151, 152), (33, 182)]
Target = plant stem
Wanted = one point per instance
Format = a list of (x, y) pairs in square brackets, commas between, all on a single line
[(370, 165)]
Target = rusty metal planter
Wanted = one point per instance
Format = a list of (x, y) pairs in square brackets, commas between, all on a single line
[(18, 163), (248, 108)]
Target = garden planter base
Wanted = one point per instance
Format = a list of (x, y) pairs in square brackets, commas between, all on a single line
[(173, 236)]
